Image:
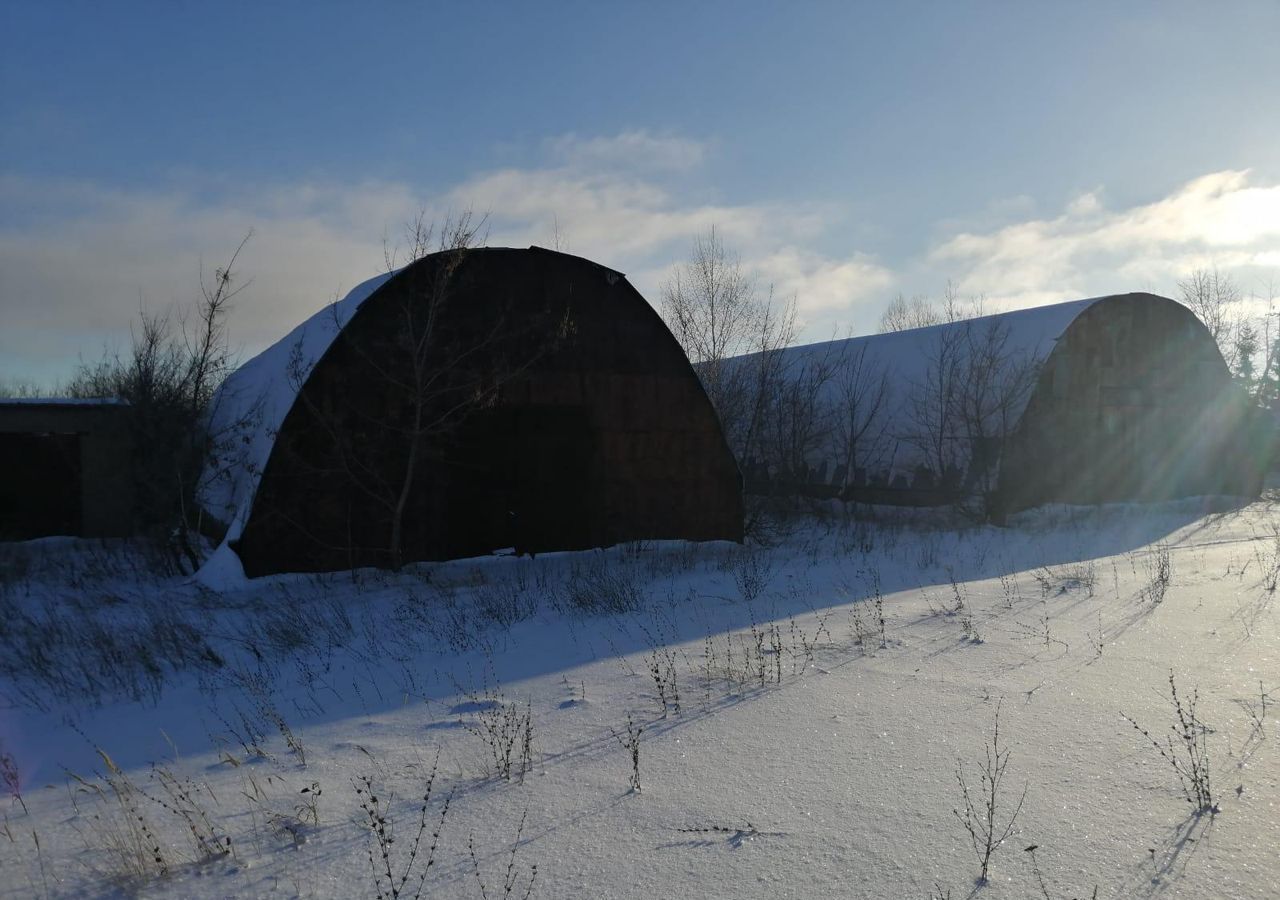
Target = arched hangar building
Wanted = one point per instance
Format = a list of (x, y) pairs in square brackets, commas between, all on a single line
[(473, 400), (1116, 398)]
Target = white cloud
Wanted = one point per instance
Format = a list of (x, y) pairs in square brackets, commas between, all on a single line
[(824, 286), (606, 217), (76, 259), (76, 270), (1218, 219)]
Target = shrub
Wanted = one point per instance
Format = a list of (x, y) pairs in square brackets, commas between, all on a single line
[(1158, 566), (1185, 749), (507, 731)]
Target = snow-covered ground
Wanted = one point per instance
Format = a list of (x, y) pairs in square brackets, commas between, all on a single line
[(821, 695)]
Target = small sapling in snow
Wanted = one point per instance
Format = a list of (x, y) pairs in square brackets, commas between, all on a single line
[(1040, 882), (981, 816), (877, 600), (182, 800), (1185, 749), (956, 593), (662, 668), (393, 872), (1009, 590), (1268, 559), (1096, 639), (512, 874), (1158, 566), (630, 741), (1257, 713), (751, 574), (858, 627), (12, 781)]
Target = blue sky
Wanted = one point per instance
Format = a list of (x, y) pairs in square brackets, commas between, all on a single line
[(1031, 152)]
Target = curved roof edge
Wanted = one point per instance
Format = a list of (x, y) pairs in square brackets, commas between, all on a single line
[(251, 405), (1035, 330), (1035, 323)]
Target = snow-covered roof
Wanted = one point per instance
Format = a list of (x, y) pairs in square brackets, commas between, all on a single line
[(904, 357), (251, 406)]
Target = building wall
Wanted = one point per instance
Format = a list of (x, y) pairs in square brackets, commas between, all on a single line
[(1134, 403), (47, 445)]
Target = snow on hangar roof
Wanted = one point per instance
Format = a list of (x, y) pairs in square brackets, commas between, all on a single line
[(904, 358), (250, 407)]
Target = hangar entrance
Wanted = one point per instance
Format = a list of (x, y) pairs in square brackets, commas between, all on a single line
[(520, 477), (39, 485)]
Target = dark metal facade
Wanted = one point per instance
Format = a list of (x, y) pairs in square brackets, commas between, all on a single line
[(1134, 403), (571, 418)]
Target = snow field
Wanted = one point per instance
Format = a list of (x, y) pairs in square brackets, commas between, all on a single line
[(806, 759)]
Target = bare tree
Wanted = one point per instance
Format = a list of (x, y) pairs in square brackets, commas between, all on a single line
[(799, 413), (992, 389), (1266, 387), (932, 425), (921, 312), (966, 405), (903, 314), (424, 376), (24, 388), (169, 380), (1215, 299), (716, 313), (862, 397), (712, 308), (413, 372), (1247, 332), (1256, 355)]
